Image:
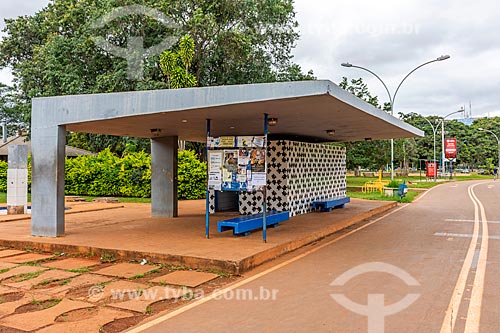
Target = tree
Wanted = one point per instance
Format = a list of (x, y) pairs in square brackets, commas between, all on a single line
[(175, 65), (9, 114), (53, 52)]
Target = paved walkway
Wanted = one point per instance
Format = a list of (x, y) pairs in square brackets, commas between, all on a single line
[(56, 293), (128, 231)]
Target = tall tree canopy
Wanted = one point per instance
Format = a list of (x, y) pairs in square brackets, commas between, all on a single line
[(54, 52)]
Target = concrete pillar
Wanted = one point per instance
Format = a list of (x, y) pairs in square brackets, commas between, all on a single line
[(164, 177), (17, 179), (47, 184)]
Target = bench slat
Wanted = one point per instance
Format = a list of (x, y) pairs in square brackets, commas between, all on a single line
[(247, 223), (328, 204)]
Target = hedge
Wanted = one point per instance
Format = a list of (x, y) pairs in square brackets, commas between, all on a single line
[(106, 174)]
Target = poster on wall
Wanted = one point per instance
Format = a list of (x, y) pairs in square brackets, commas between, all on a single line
[(258, 179), (215, 160), (241, 166), (230, 160), (227, 141), (258, 160), (244, 141)]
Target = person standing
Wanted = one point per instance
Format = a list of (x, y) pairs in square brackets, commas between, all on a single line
[(495, 174)]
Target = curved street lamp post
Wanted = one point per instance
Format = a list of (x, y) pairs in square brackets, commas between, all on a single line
[(498, 141), (392, 98)]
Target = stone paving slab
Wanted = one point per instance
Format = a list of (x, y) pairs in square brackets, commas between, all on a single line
[(71, 263), (10, 307), (86, 279), (190, 279), (150, 296), (92, 324), (6, 265), (116, 289), (21, 270), (126, 270), (6, 290), (8, 253), (27, 257), (31, 321), (45, 276)]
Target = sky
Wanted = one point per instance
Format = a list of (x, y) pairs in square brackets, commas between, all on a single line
[(391, 38)]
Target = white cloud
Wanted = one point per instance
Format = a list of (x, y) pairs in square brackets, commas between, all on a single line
[(393, 37)]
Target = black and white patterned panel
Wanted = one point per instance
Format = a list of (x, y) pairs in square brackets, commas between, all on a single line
[(211, 202), (317, 171), (277, 182)]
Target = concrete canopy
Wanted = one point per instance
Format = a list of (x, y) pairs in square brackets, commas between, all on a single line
[(304, 110)]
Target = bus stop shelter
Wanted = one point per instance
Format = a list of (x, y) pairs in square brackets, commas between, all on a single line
[(307, 111)]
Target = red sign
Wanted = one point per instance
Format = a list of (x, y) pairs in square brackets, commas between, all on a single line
[(450, 148), (431, 168)]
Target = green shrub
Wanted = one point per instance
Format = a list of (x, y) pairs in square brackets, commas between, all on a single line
[(3, 176), (192, 176), (130, 176)]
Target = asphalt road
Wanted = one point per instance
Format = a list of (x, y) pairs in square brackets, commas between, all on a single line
[(431, 266)]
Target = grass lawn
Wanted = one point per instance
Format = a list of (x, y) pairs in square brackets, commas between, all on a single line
[(380, 196), (353, 184)]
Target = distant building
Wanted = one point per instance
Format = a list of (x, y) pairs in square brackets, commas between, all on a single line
[(22, 140)]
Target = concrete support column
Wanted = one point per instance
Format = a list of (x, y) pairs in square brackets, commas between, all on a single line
[(47, 185), (17, 179), (164, 177)]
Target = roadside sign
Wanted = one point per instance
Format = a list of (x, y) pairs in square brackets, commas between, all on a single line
[(450, 148), (431, 168)]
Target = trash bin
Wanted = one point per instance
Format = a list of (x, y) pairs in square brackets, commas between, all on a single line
[(402, 190)]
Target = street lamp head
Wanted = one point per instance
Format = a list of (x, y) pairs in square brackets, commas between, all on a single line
[(481, 129), (443, 57), (346, 64)]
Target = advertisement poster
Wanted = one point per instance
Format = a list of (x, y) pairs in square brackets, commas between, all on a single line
[(243, 157), (227, 141), (259, 178), (215, 160), (450, 148), (431, 169), (231, 160), (214, 180), (258, 141), (258, 160), (245, 141), (213, 142)]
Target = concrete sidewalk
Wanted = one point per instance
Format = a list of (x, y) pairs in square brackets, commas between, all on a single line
[(128, 231)]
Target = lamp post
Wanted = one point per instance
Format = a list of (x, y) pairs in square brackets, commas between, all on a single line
[(434, 131), (498, 141), (442, 137), (392, 98)]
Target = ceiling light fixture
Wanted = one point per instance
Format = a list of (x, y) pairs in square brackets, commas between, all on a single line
[(184, 121), (155, 132), (272, 121)]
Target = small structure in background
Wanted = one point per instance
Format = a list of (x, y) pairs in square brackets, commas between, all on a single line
[(17, 180), (21, 139)]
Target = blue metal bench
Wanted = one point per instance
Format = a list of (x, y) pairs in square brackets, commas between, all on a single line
[(328, 204), (244, 224)]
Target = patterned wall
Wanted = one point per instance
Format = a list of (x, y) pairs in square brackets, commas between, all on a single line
[(298, 173)]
